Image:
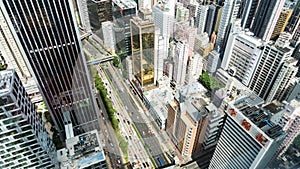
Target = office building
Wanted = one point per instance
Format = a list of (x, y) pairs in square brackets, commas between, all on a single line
[(241, 57), (201, 18), (290, 122), (296, 37), (123, 11), (267, 68), (283, 39), (164, 21), (164, 18), (249, 13), (104, 10), (212, 61), (25, 142), (294, 21), (185, 120), (54, 55), (282, 21), (218, 18), (180, 62), (210, 19), (283, 80), (215, 122), (295, 92), (109, 36), (14, 59), (229, 15), (266, 18), (249, 137), (82, 151), (143, 51), (83, 13)]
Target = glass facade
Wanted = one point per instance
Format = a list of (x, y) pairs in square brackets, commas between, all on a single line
[(47, 34), (143, 51)]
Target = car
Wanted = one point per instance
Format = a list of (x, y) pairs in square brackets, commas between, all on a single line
[(124, 120), (119, 161), (147, 164), (118, 120), (111, 144), (128, 122), (130, 138), (126, 137)]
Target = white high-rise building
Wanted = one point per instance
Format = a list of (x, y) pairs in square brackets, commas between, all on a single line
[(109, 36), (229, 14), (212, 61), (180, 62), (201, 18), (25, 142), (164, 21), (14, 59), (267, 68), (194, 68), (283, 79), (241, 56), (249, 138)]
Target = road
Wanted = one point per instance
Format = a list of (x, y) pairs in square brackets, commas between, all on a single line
[(137, 116), (136, 151)]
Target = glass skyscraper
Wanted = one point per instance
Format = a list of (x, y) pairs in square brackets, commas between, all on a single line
[(46, 33)]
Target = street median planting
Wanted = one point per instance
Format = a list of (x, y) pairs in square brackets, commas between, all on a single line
[(107, 102)]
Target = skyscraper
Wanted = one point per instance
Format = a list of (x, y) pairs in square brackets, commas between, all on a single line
[(14, 59), (241, 57), (249, 137), (25, 142), (249, 13), (109, 36), (123, 11), (143, 53), (229, 14), (201, 18), (180, 62), (210, 20), (266, 17), (294, 21), (267, 68), (47, 35), (282, 21)]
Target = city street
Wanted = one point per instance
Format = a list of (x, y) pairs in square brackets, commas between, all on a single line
[(138, 117), (136, 152)]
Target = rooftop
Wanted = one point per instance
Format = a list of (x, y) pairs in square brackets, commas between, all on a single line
[(81, 151), (125, 4), (6, 77), (159, 98), (251, 107)]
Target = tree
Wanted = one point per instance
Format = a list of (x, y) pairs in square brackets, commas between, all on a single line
[(116, 61), (3, 67), (209, 82)]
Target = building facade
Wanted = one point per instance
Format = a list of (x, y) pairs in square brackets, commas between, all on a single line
[(48, 38), (266, 18), (248, 140), (14, 59), (267, 68), (281, 23), (25, 142), (143, 50)]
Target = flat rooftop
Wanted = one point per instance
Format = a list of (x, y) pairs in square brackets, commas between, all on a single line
[(81, 151), (125, 4), (251, 107), (6, 77)]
